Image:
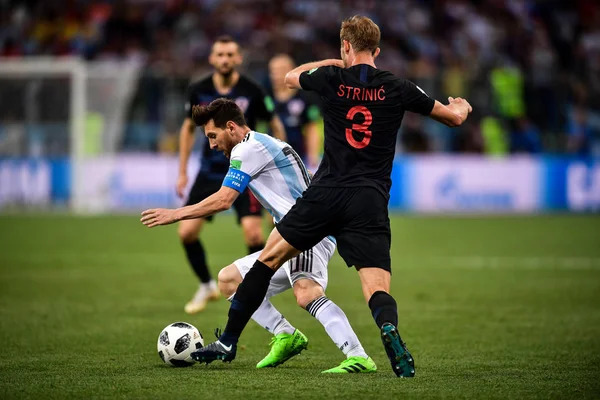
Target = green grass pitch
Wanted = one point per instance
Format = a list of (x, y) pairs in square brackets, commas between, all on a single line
[(491, 307)]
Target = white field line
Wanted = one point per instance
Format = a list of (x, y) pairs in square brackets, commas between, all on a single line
[(474, 262)]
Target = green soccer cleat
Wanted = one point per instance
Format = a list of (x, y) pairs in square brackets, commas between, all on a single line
[(283, 347), (353, 365)]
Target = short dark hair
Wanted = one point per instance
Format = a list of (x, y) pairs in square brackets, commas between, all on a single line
[(220, 111), (226, 39)]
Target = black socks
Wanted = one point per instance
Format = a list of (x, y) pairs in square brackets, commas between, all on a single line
[(383, 308), (248, 297), (197, 258)]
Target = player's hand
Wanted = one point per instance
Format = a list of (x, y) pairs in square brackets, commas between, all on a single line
[(459, 101), (158, 216), (182, 182)]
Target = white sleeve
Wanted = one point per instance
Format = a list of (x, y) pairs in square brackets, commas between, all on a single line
[(248, 158)]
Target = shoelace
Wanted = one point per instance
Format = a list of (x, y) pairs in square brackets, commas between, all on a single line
[(218, 332)]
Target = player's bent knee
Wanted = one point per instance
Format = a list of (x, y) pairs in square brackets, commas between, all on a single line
[(306, 291), (188, 231), (229, 279), (254, 238), (252, 228), (186, 235)]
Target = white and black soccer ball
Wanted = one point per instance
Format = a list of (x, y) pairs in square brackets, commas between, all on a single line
[(177, 342)]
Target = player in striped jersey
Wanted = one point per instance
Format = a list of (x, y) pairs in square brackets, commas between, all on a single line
[(277, 177)]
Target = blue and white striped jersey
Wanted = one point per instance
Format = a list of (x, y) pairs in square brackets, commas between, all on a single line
[(271, 169)]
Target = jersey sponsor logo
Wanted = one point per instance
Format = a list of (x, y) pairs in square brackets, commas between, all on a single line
[(236, 164), (312, 70), (242, 103), (296, 106)]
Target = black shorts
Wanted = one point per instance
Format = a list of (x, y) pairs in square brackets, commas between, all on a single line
[(245, 205), (356, 217)]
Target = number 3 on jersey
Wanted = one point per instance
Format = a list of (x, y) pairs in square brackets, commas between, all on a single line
[(363, 128)]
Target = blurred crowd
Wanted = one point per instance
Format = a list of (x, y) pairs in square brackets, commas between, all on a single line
[(531, 69)]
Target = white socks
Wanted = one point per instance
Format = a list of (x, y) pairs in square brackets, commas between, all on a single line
[(328, 313), (271, 319), (337, 326)]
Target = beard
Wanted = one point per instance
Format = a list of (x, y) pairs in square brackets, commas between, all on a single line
[(227, 150), (226, 73)]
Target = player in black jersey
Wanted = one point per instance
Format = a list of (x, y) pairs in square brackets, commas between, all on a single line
[(225, 81), (348, 197), (297, 110)]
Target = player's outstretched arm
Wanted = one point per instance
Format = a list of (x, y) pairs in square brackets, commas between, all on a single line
[(312, 141), (454, 114), (186, 142), (277, 128), (292, 78), (220, 201)]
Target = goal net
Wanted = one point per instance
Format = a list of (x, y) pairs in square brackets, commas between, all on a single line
[(60, 110)]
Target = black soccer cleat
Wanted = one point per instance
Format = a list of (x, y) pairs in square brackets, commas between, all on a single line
[(215, 351), (402, 361)]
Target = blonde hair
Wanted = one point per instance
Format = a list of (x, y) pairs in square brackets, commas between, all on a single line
[(362, 33)]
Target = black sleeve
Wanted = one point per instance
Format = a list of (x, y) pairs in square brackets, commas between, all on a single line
[(415, 99), (262, 104), (189, 101), (316, 79), (311, 111)]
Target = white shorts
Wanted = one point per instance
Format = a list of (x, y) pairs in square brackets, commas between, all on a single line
[(312, 264)]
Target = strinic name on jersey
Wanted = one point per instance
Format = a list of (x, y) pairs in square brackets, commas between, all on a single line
[(362, 94)]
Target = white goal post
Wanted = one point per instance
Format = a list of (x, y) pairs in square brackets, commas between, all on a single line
[(98, 93), (50, 67)]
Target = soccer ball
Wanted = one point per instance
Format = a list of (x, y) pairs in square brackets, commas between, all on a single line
[(177, 342)]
